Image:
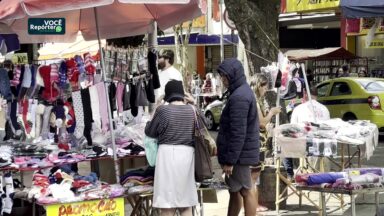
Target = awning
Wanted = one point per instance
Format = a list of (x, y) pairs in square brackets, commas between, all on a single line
[(362, 8), (320, 54), (201, 39)]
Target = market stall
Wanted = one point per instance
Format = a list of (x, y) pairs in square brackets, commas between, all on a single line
[(326, 62), (94, 96)]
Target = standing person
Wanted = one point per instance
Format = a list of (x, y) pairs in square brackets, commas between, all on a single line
[(305, 113), (173, 126), (260, 86), (238, 138), (167, 71), (343, 71)]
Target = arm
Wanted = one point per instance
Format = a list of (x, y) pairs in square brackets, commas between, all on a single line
[(265, 120), (156, 125), (294, 116), (238, 116)]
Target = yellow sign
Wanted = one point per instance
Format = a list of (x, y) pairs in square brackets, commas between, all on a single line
[(376, 43), (367, 23), (102, 207), (196, 23), (20, 58), (311, 5)]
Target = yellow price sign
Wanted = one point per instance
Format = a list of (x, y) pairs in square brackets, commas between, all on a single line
[(376, 44), (311, 5), (102, 207), (20, 58)]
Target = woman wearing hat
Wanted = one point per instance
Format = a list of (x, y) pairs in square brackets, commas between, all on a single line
[(173, 126)]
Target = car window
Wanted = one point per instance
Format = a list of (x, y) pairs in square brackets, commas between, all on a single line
[(340, 88), (372, 85), (322, 90)]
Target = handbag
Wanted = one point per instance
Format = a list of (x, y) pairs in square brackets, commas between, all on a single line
[(203, 163), (150, 146)]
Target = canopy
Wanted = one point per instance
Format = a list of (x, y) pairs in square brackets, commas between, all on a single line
[(116, 18), (319, 54), (68, 50), (362, 8)]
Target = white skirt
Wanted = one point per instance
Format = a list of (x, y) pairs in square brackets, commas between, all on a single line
[(174, 185)]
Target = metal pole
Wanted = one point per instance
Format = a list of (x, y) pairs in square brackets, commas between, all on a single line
[(152, 44), (221, 2), (117, 170), (308, 91)]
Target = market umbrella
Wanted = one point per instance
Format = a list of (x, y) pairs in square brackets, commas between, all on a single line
[(97, 19), (117, 18)]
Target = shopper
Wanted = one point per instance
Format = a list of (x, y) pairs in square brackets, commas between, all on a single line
[(305, 113), (167, 71), (362, 73), (173, 126), (260, 86), (343, 71), (238, 138)]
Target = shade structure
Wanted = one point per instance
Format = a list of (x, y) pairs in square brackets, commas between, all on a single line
[(319, 54), (69, 50), (115, 18), (362, 8)]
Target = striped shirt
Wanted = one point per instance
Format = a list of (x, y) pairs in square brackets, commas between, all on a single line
[(172, 125)]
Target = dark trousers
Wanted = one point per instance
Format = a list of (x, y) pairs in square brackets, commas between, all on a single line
[(288, 165)]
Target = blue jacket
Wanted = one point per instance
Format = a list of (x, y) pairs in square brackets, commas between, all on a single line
[(238, 138)]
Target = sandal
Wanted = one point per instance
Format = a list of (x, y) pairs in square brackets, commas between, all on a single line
[(261, 208)]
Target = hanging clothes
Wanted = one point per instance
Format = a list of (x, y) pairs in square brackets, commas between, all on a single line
[(152, 64)]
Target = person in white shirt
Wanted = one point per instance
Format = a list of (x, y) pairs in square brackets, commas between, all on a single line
[(167, 72), (305, 113)]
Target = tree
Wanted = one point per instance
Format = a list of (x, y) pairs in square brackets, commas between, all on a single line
[(257, 24), (182, 34)]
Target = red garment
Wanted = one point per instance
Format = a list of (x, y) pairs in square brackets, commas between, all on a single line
[(25, 105), (50, 92)]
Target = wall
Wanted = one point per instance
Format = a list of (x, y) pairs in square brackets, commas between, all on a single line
[(377, 54)]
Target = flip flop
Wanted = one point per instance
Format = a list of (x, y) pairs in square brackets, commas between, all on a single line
[(261, 208)]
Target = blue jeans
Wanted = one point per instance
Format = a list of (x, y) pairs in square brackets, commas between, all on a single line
[(288, 165)]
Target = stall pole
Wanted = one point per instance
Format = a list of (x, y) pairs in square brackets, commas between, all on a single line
[(152, 44), (221, 2), (117, 170)]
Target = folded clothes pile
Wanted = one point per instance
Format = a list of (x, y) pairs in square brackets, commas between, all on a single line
[(351, 179), (139, 181), (59, 186)]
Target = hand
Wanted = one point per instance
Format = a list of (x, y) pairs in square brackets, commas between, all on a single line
[(227, 169), (275, 110), (188, 98)]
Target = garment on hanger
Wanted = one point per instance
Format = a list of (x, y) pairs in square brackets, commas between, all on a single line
[(126, 97), (141, 98), (152, 65)]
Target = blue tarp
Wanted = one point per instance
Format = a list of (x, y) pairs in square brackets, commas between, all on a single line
[(201, 39), (362, 8)]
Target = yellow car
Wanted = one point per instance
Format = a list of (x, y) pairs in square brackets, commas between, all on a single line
[(353, 98)]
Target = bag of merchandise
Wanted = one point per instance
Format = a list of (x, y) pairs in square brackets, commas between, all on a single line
[(150, 145)]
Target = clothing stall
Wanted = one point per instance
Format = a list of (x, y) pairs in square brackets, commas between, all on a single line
[(77, 105)]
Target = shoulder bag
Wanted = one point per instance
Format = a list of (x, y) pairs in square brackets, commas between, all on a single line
[(203, 164)]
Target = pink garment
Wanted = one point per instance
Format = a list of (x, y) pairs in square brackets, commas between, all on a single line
[(54, 73), (103, 106), (119, 97)]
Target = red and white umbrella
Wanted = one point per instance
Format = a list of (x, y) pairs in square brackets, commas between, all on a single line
[(116, 18)]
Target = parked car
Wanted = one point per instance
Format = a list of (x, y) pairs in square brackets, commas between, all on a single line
[(352, 98), (213, 112)]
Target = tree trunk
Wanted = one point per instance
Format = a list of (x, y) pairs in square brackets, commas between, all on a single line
[(256, 21)]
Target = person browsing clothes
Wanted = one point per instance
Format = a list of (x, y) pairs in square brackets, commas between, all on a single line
[(238, 137)]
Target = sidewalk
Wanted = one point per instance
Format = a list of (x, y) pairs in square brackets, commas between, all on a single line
[(364, 205)]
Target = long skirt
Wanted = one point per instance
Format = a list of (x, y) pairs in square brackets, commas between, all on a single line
[(175, 185)]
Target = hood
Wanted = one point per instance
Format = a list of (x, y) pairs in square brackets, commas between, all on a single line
[(234, 70)]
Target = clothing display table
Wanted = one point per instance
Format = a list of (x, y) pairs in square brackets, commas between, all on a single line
[(351, 193)]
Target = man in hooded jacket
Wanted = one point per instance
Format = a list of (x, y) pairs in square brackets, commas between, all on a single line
[(238, 138)]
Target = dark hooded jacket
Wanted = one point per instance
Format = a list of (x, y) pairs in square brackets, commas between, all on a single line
[(238, 138)]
